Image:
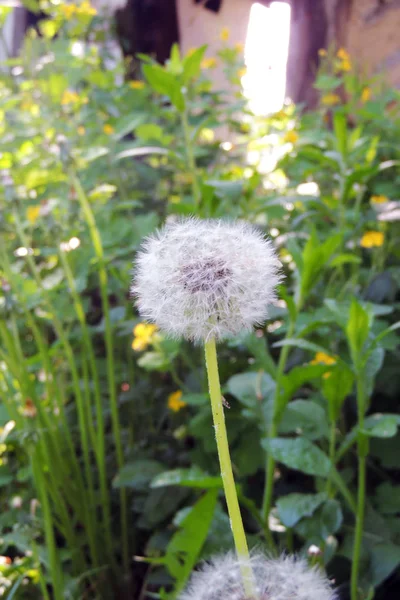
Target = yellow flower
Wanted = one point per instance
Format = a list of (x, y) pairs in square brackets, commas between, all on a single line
[(174, 401), (68, 10), (81, 130), (242, 72), (324, 359), (345, 65), (291, 137), (224, 35), (143, 335), (108, 129), (322, 52), (32, 213), (206, 135), (365, 94), (330, 99), (69, 97), (239, 47), (343, 54), (86, 9), (372, 239), (136, 84), (379, 199), (208, 63)]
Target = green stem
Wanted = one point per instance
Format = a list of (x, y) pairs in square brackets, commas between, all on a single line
[(99, 440), (226, 469), (103, 280), (190, 157), (273, 432), (332, 449), (58, 326), (362, 448)]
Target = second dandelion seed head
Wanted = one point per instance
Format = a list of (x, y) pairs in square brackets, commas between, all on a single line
[(284, 578)]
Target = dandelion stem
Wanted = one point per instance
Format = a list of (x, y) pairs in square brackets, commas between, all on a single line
[(226, 469)]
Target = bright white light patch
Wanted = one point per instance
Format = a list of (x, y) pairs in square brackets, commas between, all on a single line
[(266, 53), (23, 251), (308, 189)]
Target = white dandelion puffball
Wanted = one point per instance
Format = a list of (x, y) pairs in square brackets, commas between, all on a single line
[(203, 279), (285, 578)]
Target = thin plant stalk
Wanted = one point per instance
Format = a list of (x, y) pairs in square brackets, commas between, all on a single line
[(190, 157), (332, 452), (362, 449), (273, 432), (90, 515), (226, 469), (99, 440), (103, 280)]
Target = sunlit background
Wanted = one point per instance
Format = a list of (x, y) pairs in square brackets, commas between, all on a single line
[(266, 53)]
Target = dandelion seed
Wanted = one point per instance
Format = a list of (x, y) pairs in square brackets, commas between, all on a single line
[(204, 279), (285, 578)]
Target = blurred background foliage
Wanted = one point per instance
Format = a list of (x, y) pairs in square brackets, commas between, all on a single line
[(109, 480)]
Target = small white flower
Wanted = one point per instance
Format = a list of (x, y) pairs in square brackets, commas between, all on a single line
[(285, 578), (200, 279)]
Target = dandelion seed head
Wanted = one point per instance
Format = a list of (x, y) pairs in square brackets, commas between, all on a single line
[(284, 578), (200, 279)]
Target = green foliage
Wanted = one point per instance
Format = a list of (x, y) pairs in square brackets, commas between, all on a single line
[(107, 449)]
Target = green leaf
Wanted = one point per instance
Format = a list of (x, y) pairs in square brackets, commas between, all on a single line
[(327, 82), (251, 388), (372, 367), (300, 375), (357, 330), (138, 474), (303, 344), (305, 418), (149, 131), (193, 477), (325, 521), (382, 426), (165, 83), (343, 259), (192, 64), (387, 497), (340, 129), (128, 124), (315, 257), (195, 399), (154, 361), (336, 388), (293, 507), (185, 546), (385, 558), (5, 476), (299, 454)]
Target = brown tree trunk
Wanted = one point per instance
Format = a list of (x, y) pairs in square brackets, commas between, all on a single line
[(315, 24)]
